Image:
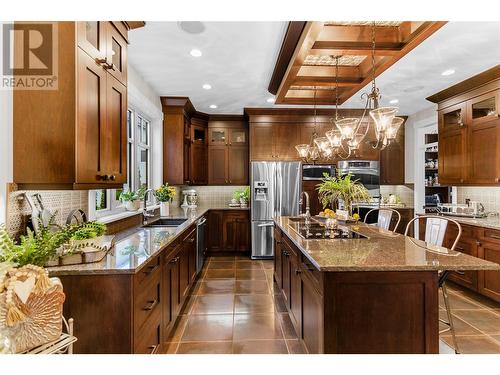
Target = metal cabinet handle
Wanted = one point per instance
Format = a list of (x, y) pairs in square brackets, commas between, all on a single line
[(459, 248), (151, 305), (497, 179), (109, 66), (266, 225), (101, 61), (191, 240), (297, 271), (174, 260), (154, 349)]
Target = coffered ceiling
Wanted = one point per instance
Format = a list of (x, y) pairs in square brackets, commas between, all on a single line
[(310, 76), (239, 57)]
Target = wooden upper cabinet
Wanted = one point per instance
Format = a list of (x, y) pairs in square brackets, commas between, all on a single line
[(286, 137), (238, 137), (92, 38), (273, 141), (483, 128), (469, 130), (392, 161), (74, 137), (217, 167), (237, 166), (104, 43), (261, 142), (218, 136), (452, 151), (116, 54)]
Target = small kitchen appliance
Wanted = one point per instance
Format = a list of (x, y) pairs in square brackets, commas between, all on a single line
[(190, 198)]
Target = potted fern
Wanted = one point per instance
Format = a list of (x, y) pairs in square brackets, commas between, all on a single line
[(130, 200), (342, 189)]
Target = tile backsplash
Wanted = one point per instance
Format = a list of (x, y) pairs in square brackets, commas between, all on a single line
[(62, 202), (404, 192), (213, 195), (488, 196)]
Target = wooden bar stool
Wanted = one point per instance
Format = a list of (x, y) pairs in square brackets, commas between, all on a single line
[(384, 217), (435, 230)]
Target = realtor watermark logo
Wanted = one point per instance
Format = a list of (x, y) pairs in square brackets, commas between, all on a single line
[(29, 56)]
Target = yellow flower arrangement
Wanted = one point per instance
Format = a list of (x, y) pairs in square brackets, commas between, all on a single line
[(165, 193)]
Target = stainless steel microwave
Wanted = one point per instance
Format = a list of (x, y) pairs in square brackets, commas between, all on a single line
[(317, 171)]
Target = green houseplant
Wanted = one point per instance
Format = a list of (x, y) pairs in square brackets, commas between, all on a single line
[(130, 199), (342, 189), (245, 196)]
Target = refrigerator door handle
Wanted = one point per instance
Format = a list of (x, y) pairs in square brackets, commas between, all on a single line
[(266, 225)]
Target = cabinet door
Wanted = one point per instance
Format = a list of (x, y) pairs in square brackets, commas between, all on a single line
[(191, 249), (175, 295), (237, 165), (186, 165), (166, 287), (286, 271), (466, 278), (392, 161), (483, 131), (452, 157), (116, 57), (184, 276), (236, 231), (295, 293), (489, 281), (114, 133), (215, 230), (261, 142), (238, 137), (217, 165), (218, 136), (92, 38), (278, 258), (286, 137), (91, 118), (311, 317), (198, 164)]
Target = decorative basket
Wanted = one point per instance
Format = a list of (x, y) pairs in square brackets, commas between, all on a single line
[(31, 307)]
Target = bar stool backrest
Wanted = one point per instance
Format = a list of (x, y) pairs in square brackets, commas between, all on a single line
[(384, 217), (435, 229)]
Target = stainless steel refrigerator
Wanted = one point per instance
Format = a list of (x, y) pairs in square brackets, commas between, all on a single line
[(275, 191)]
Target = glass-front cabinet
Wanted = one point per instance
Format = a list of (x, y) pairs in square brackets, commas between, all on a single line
[(218, 136), (483, 108), (238, 137), (452, 118)]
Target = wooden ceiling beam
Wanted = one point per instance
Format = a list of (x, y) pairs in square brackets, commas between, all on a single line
[(351, 33), (367, 46), (318, 50), (326, 81), (328, 71)]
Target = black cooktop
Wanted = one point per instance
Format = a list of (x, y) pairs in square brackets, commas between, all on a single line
[(318, 231)]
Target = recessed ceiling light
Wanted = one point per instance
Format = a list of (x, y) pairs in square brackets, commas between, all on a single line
[(207, 86), (192, 27), (195, 52), (270, 100), (213, 106), (394, 101), (448, 72)]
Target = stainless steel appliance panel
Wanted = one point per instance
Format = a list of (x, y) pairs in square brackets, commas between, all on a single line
[(262, 239), (315, 172), (288, 188), (262, 204), (366, 171)]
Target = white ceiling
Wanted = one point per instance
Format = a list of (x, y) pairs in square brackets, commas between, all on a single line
[(238, 60), (239, 57)]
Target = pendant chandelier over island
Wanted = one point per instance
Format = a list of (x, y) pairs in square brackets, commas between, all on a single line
[(347, 134)]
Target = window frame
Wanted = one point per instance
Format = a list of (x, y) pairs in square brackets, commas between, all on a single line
[(115, 206)]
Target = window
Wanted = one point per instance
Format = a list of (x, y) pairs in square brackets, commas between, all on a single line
[(105, 202)]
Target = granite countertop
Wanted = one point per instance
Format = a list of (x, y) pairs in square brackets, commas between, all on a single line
[(487, 222), (381, 251), (135, 246)]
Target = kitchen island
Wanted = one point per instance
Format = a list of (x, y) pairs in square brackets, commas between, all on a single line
[(374, 294)]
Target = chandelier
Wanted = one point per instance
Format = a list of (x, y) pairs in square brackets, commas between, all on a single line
[(347, 134)]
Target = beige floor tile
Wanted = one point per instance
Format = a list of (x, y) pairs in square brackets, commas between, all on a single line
[(260, 347), (215, 347), (213, 304), (208, 328)]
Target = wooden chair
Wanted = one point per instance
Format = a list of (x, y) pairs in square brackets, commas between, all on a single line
[(384, 217), (435, 230)]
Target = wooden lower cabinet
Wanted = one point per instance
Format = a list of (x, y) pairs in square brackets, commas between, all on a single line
[(228, 231), (358, 312), (278, 259), (132, 313)]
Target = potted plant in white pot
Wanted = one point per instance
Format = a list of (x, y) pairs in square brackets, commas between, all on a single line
[(165, 194), (130, 200), (245, 197)]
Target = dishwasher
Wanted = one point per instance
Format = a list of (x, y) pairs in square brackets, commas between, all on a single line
[(200, 243)]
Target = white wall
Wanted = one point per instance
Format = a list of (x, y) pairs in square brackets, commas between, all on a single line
[(417, 125), (144, 99), (5, 145)]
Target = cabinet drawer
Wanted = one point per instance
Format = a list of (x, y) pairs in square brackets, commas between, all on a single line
[(148, 339), (148, 271), (310, 272), (468, 232), (147, 300), (491, 235)]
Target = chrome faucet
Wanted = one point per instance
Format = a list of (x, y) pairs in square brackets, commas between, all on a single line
[(145, 212), (308, 207)]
